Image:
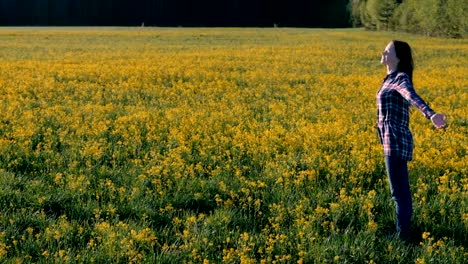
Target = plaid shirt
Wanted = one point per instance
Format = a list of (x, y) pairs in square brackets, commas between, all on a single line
[(393, 101)]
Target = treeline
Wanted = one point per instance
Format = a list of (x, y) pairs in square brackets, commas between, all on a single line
[(446, 18), (300, 13)]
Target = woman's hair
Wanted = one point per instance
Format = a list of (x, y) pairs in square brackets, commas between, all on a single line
[(404, 54)]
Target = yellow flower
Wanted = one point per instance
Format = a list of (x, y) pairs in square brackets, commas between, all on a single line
[(372, 225), (191, 220), (420, 261), (58, 177), (91, 243), (425, 235)]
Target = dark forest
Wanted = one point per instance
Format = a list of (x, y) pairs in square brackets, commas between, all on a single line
[(264, 13)]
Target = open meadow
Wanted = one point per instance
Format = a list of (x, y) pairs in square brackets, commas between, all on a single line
[(221, 145)]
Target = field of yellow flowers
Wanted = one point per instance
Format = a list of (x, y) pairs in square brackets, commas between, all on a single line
[(196, 145)]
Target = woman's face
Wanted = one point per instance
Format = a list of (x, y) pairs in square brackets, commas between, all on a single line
[(389, 57)]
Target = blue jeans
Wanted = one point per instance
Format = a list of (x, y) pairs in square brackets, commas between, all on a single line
[(397, 172)]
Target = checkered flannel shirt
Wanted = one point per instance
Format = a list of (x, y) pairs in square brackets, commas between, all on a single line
[(393, 101)]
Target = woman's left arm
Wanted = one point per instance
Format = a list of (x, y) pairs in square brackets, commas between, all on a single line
[(439, 120), (406, 89)]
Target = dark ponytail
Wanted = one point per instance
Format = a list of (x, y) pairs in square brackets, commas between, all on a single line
[(404, 54)]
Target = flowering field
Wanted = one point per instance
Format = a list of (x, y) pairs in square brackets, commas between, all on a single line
[(173, 145)]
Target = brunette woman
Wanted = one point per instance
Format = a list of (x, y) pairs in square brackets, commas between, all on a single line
[(393, 101)]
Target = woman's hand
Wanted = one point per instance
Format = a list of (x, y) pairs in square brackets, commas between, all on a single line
[(439, 120)]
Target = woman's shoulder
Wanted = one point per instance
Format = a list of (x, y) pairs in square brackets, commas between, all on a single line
[(401, 75), (403, 78), (403, 81), (397, 75)]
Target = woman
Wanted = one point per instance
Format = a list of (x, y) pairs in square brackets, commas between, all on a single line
[(393, 101)]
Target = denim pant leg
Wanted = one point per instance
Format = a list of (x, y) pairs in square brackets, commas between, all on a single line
[(397, 171)]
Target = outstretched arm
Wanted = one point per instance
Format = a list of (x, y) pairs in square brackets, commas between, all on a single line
[(439, 120), (405, 88)]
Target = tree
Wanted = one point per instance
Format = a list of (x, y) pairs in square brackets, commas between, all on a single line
[(381, 12), (431, 17), (456, 18), (355, 13), (434, 17), (366, 19), (405, 18)]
